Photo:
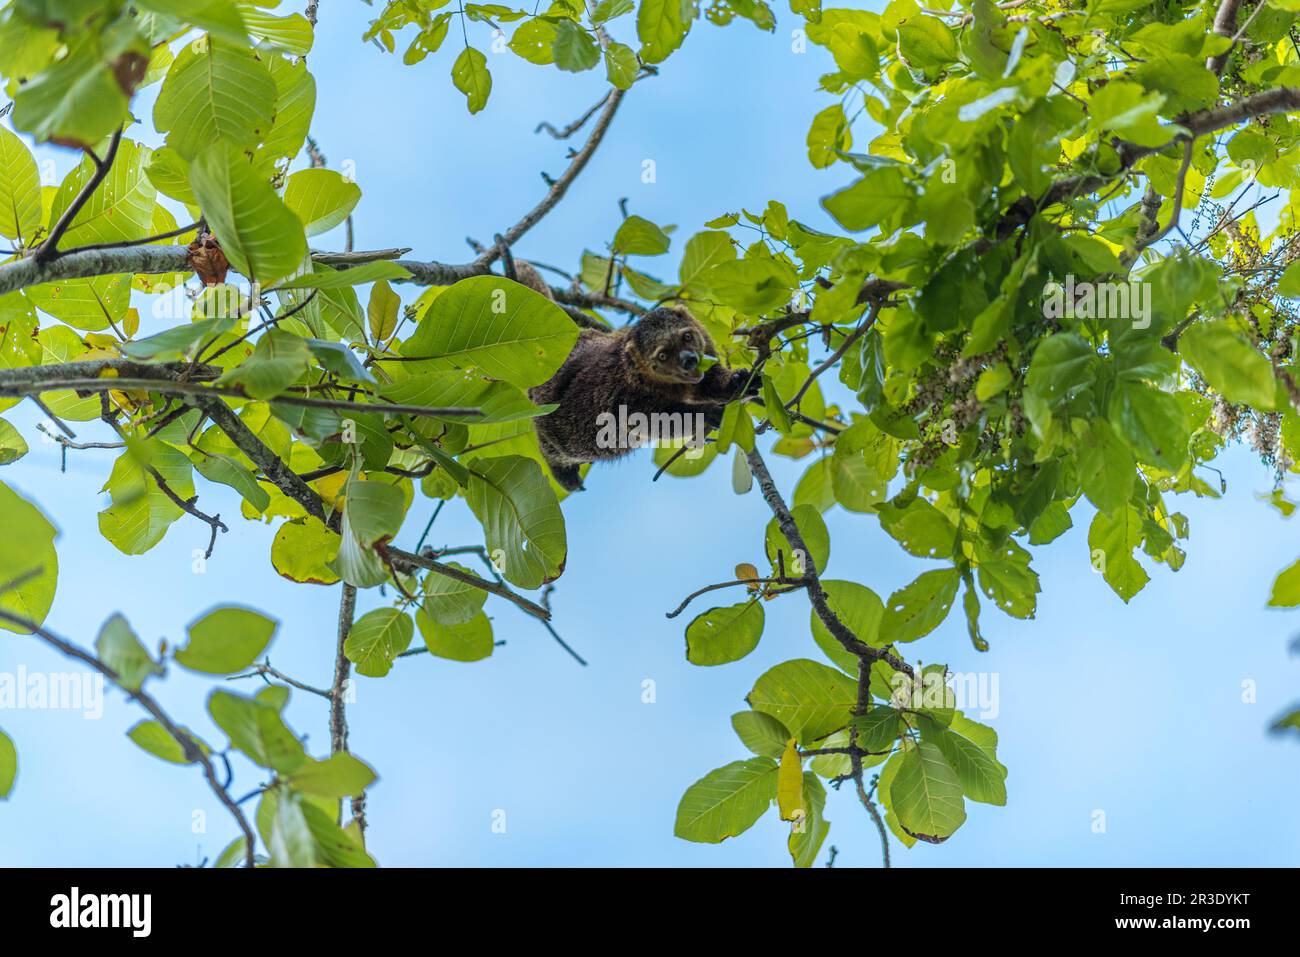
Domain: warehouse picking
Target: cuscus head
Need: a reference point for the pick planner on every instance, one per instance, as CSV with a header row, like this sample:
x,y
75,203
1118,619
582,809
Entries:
x,y
671,345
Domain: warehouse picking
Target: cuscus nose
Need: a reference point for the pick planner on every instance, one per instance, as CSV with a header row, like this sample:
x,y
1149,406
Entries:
x,y
690,360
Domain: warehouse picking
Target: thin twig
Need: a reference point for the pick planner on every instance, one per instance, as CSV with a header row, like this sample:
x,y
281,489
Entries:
x,y
49,249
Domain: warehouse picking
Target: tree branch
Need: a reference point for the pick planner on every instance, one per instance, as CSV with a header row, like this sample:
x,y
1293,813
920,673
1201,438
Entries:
x,y
816,594
405,561
561,185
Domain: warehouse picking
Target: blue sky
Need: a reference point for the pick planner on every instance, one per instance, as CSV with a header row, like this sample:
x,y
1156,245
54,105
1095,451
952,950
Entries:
x,y
1134,710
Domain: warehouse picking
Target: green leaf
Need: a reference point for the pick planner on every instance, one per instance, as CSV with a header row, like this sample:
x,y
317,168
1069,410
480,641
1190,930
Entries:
x,y
927,795
219,17
809,832
89,304
215,94
260,236
920,528
119,209
278,361
376,639
20,189
761,733
226,640
1153,423
381,311
861,611
878,729
75,102
752,285
521,518
1009,582
1063,365
226,470
1286,588
1106,467
295,91
704,251
291,843
12,445
470,75
727,801
574,48
535,41
498,401
372,512
640,237
1231,366
725,634
919,608
303,550
151,736
292,33
882,196
465,641
661,26
621,66
118,647
926,44
809,698
256,727
448,601
323,199
338,776
507,330
968,748
8,766
1112,538
829,136
26,554
812,528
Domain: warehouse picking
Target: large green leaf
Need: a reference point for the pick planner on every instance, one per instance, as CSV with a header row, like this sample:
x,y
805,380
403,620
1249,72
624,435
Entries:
x,y
322,198
917,609
1233,367
721,635
661,26
215,92
255,726
521,518
809,698
465,641
372,512
77,101
120,208
118,647
8,765
376,639
20,189
261,237
27,555
926,794
507,330
226,640
448,601
726,802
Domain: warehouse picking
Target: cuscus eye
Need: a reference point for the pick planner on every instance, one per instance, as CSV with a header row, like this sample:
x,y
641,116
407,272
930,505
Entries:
x,y
688,336
663,356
